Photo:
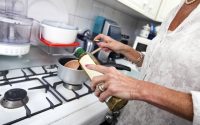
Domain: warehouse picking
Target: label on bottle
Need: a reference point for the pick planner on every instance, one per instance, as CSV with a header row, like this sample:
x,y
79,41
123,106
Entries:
x,y
86,59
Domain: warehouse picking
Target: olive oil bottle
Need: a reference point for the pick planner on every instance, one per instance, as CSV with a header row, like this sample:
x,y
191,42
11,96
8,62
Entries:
x,y
113,103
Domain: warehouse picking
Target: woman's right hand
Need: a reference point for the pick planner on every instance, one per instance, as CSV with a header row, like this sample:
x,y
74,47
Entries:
x,y
110,44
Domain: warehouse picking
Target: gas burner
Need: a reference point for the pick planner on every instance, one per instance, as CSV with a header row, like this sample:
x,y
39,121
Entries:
x,y
72,87
14,98
50,67
3,73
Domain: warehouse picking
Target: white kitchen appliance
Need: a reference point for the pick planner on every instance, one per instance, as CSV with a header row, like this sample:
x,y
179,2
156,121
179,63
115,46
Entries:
x,y
112,29
14,34
141,44
15,29
37,96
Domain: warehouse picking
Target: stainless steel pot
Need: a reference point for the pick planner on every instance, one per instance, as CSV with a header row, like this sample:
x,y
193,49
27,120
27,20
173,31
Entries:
x,y
85,40
71,76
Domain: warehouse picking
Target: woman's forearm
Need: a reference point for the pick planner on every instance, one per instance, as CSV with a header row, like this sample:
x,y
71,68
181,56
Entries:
x,y
178,103
132,55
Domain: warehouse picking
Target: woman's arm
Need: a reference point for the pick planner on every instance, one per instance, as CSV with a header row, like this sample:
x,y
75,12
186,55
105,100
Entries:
x,y
133,55
118,47
178,103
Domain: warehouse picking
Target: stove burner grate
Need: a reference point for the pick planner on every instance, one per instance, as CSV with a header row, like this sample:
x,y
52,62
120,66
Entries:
x,y
73,89
20,95
11,96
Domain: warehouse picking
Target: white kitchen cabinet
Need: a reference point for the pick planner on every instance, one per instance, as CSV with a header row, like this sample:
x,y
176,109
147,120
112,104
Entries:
x,y
135,4
148,8
153,8
165,8
156,10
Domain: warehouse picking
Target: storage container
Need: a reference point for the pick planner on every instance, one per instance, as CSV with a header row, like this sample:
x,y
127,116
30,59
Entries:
x,y
57,49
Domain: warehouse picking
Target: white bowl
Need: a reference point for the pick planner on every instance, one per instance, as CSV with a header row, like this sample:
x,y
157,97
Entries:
x,y
58,32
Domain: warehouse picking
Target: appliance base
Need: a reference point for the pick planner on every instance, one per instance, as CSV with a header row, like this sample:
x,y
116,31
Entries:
x,y
14,49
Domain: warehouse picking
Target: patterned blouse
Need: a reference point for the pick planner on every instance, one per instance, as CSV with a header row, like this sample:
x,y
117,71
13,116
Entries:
x,y
172,60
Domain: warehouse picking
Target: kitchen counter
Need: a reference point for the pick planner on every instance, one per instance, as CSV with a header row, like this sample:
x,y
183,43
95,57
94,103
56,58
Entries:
x,y
73,112
36,57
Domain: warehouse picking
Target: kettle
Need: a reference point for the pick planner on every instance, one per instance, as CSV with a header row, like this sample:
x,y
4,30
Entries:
x,y
85,41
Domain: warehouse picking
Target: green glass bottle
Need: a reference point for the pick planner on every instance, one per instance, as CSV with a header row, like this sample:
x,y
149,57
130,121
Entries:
x,y
113,103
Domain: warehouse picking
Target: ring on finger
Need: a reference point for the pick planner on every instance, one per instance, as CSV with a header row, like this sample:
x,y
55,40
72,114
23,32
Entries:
x,y
101,87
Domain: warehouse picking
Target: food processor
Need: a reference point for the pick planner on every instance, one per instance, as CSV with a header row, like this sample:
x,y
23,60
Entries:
x,y
15,28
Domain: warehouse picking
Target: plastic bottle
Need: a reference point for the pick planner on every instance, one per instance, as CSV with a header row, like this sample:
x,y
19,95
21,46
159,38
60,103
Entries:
x,y
113,103
145,31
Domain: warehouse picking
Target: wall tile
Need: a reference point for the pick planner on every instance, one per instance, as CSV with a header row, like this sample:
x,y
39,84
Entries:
x,y
71,19
54,10
108,11
71,5
84,8
83,23
97,10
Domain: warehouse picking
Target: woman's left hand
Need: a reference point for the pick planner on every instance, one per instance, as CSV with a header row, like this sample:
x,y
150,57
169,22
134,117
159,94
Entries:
x,y
118,85
114,83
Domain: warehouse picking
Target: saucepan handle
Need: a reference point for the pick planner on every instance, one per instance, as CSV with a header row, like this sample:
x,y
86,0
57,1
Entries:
x,y
118,66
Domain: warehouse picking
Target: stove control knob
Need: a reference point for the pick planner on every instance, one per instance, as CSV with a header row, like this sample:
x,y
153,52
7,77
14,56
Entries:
x,y
109,118
116,114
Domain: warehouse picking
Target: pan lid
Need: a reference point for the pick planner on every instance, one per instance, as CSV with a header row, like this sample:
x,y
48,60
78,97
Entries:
x,y
59,24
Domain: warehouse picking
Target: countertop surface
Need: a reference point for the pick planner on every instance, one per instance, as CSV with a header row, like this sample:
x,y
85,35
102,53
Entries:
x,y
36,57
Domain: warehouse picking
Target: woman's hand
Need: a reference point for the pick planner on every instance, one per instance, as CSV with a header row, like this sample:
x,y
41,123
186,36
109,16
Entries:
x,y
115,84
110,44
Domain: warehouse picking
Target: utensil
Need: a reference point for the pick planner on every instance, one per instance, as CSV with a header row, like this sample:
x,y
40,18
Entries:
x,y
95,51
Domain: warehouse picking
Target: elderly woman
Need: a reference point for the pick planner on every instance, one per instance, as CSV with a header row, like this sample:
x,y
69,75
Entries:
x,y
168,91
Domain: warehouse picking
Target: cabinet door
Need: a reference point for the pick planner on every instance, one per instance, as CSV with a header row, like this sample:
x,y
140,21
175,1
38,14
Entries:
x,y
137,5
165,8
148,8
152,8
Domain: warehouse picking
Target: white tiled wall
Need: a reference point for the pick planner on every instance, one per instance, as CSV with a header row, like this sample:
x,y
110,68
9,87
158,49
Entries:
x,y
80,13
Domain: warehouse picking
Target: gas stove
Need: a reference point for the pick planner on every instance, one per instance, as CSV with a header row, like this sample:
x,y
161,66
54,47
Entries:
x,y
36,95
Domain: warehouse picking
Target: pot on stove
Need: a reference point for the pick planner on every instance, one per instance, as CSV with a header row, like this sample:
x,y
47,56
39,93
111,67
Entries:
x,y
71,76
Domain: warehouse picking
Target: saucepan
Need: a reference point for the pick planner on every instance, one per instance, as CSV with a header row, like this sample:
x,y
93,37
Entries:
x,y
76,76
69,75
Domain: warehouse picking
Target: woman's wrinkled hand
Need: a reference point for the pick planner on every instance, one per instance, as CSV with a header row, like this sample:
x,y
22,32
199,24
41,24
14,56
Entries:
x,y
109,44
115,84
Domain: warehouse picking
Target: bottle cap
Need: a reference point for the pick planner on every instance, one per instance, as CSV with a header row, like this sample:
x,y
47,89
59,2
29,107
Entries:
x,y
78,52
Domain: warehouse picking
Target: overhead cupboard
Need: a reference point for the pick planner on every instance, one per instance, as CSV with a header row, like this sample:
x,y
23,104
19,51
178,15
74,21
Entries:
x,y
156,10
